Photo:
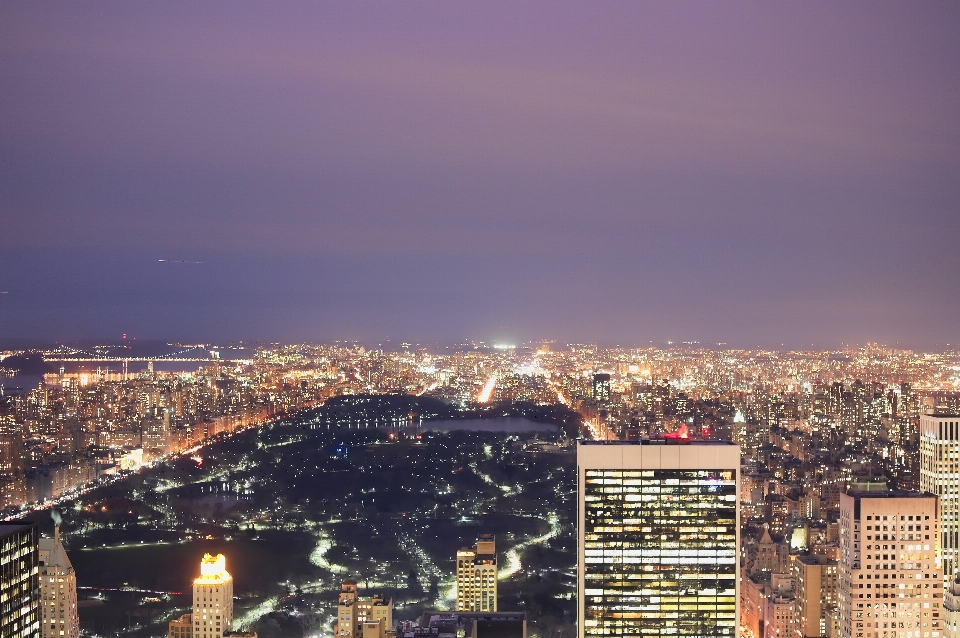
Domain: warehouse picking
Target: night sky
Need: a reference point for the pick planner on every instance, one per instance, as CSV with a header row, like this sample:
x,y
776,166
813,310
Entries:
x,y
753,174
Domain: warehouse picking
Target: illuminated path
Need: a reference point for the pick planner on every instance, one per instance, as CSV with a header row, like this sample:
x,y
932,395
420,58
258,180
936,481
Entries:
x,y
601,431
487,391
254,614
560,396
513,555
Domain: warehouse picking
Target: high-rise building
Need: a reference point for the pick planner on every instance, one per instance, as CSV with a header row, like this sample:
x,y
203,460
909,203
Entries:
x,y
58,590
815,592
940,475
601,387
19,580
477,576
212,598
890,579
362,617
156,433
657,538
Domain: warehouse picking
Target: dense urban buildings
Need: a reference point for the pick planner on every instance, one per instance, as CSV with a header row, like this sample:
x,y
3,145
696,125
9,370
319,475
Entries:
x,y
811,427
658,531
91,418
477,576
19,580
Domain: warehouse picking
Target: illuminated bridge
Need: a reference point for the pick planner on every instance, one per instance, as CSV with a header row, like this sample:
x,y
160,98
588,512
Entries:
x,y
72,355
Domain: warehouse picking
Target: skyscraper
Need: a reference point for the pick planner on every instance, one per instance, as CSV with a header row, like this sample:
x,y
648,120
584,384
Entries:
x,y
58,590
657,538
19,580
815,593
890,578
940,475
601,387
477,576
212,598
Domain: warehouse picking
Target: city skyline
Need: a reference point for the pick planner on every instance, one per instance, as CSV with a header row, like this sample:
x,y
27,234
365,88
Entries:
x,y
416,483
751,175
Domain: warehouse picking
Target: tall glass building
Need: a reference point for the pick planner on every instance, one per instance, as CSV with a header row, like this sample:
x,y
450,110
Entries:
x,y
658,535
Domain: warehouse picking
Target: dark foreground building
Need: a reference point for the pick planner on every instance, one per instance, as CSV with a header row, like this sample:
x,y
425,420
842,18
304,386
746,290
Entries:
x,y
467,624
19,580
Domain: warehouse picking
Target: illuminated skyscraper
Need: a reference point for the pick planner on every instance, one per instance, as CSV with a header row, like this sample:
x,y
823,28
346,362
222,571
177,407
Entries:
x,y
890,581
940,475
477,576
601,387
58,590
212,598
657,538
19,581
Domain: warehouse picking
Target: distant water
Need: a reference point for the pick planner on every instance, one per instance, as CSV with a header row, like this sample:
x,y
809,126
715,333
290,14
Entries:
x,y
510,425
20,383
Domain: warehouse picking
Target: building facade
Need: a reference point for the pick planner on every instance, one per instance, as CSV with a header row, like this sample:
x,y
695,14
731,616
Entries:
x,y
940,475
951,610
362,617
181,627
19,580
477,576
891,581
657,538
815,587
58,590
212,598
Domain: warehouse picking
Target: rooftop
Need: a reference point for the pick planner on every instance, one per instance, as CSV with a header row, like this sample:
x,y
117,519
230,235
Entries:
x,y
890,494
659,441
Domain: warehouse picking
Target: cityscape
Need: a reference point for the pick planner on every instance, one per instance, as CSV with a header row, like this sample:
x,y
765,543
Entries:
x,y
549,319
430,478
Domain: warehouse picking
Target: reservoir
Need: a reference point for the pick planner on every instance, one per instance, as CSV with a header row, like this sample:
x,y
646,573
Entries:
x,y
510,425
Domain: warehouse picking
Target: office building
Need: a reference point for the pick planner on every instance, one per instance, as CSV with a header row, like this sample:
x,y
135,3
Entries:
x,y
212,598
58,590
815,594
891,582
362,617
657,538
601,387
940,475
477,576
181,627
19,580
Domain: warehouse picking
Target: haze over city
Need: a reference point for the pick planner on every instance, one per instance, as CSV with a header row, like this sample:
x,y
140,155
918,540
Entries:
x,y
479,320
753,175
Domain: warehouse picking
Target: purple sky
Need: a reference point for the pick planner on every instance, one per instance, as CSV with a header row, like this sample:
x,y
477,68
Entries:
x,y
753,174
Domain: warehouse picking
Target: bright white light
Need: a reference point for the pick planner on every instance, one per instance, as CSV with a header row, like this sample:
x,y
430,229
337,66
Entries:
x,y
487,391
